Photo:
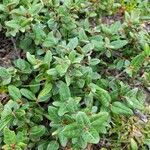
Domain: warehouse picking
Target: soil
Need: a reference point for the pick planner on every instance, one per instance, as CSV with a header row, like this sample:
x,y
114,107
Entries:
x,y
7,51
111,19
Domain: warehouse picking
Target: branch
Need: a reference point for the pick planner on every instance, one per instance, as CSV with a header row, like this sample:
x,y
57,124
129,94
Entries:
x,y
15,47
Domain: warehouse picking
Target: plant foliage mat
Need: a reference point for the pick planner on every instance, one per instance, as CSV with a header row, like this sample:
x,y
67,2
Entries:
x,y
74,75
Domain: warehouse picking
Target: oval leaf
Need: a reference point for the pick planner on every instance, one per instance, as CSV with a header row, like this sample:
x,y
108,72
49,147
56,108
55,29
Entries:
x,y
28,94
14,92
121,109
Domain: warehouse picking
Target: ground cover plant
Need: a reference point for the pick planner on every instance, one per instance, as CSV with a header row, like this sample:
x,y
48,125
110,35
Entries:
x,y
74,74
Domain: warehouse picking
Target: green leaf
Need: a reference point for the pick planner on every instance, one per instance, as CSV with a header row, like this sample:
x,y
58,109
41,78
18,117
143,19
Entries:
x,y
137,61
63,109
5,76
118,44
101,94
120,64
52,72
2,7
4,73
134,103
98,45
77,73
91,136
62,69
94,62
34,10
9,107
31,58
87,48
43,145
34,86
106,29
63,65
73,43
48,58
81,83
53,145
63,140
68,79
72,55
37,131
53,114
23,65
26,44
64,91
50,40
99,119
45,93
133,144
68,3
72,104
72,131
82,35
83,120
147,50
38,30
115,27
135,64
14,26
5,121
121,109
14,92
20,137
28,94
9,136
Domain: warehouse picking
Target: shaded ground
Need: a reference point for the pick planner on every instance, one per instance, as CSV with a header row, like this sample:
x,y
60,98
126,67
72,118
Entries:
x,y
111,19
7,51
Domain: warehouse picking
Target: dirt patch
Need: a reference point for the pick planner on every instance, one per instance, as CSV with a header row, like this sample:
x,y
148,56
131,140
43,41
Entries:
x,y
8,52
111,19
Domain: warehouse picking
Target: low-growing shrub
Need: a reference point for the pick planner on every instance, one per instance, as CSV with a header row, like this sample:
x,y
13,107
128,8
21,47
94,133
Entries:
x,y
84,78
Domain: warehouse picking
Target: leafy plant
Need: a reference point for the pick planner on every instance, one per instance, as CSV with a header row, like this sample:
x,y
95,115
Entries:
x,y
82,79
